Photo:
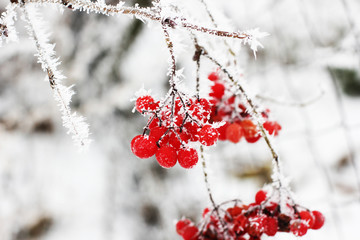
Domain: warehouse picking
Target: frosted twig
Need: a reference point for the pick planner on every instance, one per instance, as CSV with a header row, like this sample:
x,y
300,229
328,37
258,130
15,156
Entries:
x,y
278,177
7,20
46,57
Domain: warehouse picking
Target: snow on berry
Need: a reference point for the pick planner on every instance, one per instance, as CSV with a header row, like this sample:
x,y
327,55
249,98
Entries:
x,y
298,228
241,221
260,196
146,103
166,156
208,135
187,157
175,124
143,146
319,220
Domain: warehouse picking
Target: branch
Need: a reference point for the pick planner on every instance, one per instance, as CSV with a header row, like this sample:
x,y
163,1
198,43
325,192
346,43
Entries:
x,y
46,57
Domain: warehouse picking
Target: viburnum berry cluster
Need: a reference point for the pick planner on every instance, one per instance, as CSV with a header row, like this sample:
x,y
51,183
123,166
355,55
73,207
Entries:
x,y
228,107
173,129
266,215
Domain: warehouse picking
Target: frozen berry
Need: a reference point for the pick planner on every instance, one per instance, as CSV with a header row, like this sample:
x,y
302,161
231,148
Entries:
x,y
251,133
187,157
143,146
256,226
307,217
272,127
213,76
299,228
166,156
319,219
181,225
146,103
260,196
208,135
190,233
217,90
192,129
270,226
222,131
158,132
234,133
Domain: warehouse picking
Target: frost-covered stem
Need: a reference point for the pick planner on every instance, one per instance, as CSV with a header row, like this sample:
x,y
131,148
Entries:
x,y
219,33
46,57
105,9
203,164
255,114
204,169
215,25
170,46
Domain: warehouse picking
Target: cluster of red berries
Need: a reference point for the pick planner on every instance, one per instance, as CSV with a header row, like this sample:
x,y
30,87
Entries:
x,y
242,222
226,107
171,127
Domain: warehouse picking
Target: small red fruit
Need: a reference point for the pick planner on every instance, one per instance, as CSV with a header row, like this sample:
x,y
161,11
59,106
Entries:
x,y
271,226
143,146
299,228
208,135
166,156
213,76
146,103
260,196
187,157
222,131
234,133
319,219
272,127
217,90
307,217
250,131
181,225
190,233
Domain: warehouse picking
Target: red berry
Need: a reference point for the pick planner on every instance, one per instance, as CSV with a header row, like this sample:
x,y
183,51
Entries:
x,y
157,133
181,225
271,226
205,212
308,218
213,76
217,90
319,219
272,127
187,157
192,129
251,133
241,223
234,133
260,196
222,131
190,233
143,146
154,123
298,228
208,135
256,226
146,103
166,156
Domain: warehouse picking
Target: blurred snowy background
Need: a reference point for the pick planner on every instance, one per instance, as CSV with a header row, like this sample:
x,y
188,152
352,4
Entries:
x,y
50,191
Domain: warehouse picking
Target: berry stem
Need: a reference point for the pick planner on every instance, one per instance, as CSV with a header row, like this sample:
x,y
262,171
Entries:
x,y
208,188
255,114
